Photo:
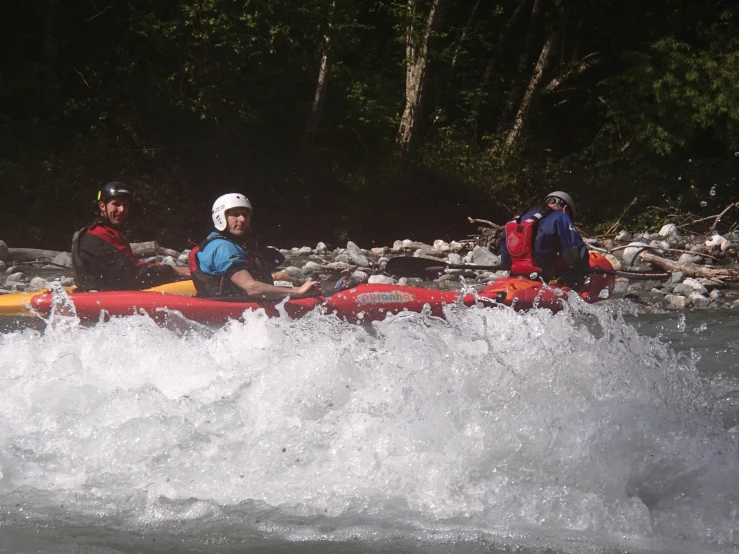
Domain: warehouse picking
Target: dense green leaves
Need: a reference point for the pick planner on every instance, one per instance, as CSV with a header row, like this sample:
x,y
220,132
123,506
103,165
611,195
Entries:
x,y
190,98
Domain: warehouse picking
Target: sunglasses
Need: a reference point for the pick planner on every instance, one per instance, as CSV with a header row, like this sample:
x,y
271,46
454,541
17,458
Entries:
x,y
554,200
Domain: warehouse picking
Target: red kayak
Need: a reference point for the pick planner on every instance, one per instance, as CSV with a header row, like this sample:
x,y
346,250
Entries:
x,y
364,302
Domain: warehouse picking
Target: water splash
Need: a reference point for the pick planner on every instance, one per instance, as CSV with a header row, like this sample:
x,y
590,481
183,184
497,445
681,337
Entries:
x,y
491,421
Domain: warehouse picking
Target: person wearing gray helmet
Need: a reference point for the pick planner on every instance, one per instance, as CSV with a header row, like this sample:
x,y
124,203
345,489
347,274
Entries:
x,y
544,241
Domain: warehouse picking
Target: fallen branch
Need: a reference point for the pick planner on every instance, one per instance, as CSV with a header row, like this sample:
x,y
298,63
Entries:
x,y
485,222
613,227
692,270
664,250
716,218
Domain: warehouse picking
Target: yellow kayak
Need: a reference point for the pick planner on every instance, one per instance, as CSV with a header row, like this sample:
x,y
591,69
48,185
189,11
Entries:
x,y
19,303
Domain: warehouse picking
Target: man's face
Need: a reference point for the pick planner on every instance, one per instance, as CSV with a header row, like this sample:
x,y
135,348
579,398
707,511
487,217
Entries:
x,y
116,209
238,220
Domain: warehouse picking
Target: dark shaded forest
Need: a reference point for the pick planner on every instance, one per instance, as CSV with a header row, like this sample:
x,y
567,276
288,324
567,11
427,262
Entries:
x,y
365,120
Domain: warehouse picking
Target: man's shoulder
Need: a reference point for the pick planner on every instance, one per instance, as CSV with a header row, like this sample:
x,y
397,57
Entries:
x,y
215,242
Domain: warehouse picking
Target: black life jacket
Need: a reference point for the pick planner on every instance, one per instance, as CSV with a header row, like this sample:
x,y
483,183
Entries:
x,y
520,239
210,286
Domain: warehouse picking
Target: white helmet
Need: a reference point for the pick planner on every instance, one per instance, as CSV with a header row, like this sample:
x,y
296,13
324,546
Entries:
x,y
226,202
566,198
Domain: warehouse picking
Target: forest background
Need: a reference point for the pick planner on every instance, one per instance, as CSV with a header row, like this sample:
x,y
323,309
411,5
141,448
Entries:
x,y
361,119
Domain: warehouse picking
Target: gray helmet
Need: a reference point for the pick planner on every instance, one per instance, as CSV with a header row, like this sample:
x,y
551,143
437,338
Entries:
x,y
566,198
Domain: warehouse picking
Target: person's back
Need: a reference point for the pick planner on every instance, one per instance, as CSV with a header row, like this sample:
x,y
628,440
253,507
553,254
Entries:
x,y
102,258
554,247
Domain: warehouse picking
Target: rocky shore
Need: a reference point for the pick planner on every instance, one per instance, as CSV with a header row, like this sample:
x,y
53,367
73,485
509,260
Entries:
x,y
703,269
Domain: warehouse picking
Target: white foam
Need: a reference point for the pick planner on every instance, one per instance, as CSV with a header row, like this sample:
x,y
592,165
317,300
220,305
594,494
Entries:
x,y
491,421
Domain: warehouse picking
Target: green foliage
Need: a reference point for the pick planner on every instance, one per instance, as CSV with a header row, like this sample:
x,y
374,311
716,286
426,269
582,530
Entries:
x,y
190,98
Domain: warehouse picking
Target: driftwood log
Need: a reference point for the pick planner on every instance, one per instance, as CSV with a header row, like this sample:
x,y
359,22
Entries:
x,y
31,255
691,269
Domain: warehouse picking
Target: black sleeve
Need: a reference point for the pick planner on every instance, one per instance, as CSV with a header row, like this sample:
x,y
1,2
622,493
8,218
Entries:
x,y
101,267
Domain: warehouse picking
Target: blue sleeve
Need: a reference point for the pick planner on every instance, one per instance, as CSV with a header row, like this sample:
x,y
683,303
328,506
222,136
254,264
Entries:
x,y
221,256
573,249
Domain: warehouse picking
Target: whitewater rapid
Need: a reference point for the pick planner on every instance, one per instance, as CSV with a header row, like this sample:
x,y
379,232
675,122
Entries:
x,y
518,429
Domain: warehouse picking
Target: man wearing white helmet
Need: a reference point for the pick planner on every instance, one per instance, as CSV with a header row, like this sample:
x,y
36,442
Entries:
x,y
544,241
231,264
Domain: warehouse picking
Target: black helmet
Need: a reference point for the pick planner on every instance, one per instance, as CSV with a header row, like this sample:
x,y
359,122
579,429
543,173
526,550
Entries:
x,y
111,190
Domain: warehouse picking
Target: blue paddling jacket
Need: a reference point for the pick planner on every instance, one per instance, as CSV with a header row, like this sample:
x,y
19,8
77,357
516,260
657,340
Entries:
x,y
556,243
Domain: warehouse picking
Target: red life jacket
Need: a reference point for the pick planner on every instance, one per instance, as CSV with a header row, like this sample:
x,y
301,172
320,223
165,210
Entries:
x,y
520,238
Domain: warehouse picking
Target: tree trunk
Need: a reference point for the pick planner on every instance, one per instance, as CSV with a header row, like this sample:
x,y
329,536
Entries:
x,y
545,58
692,270
523,66
458,45
504,35
319,98
417,53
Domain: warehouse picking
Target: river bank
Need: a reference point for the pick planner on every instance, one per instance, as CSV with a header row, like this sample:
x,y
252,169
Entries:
x,y
702,270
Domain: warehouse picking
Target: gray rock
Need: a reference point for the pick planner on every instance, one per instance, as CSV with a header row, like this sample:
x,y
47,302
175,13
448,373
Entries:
x,y
310,267
454,258
711,284
168,252
677,277
355,253
344,258
716,294
420,253
629,255
442,245
456,246
620,286
623,236
699,301
17,277
183,259
169,260
360,276
671,233
735,305
483,256
698,287
304,250
37,283
67,281
397,245
381,280
679,302
467,258
689,258
3,251
12,269
447,277
635,288
3,266
294,272
321,247
144,249
682,288
701,249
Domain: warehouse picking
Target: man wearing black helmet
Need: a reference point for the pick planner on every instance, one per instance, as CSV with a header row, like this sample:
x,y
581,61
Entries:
x,y
544,241
101,255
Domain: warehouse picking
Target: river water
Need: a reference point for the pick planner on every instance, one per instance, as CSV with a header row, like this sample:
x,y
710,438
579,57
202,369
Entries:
x,y
593,430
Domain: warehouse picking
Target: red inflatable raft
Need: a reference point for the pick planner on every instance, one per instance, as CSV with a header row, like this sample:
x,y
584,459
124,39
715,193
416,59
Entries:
x,y
364,302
